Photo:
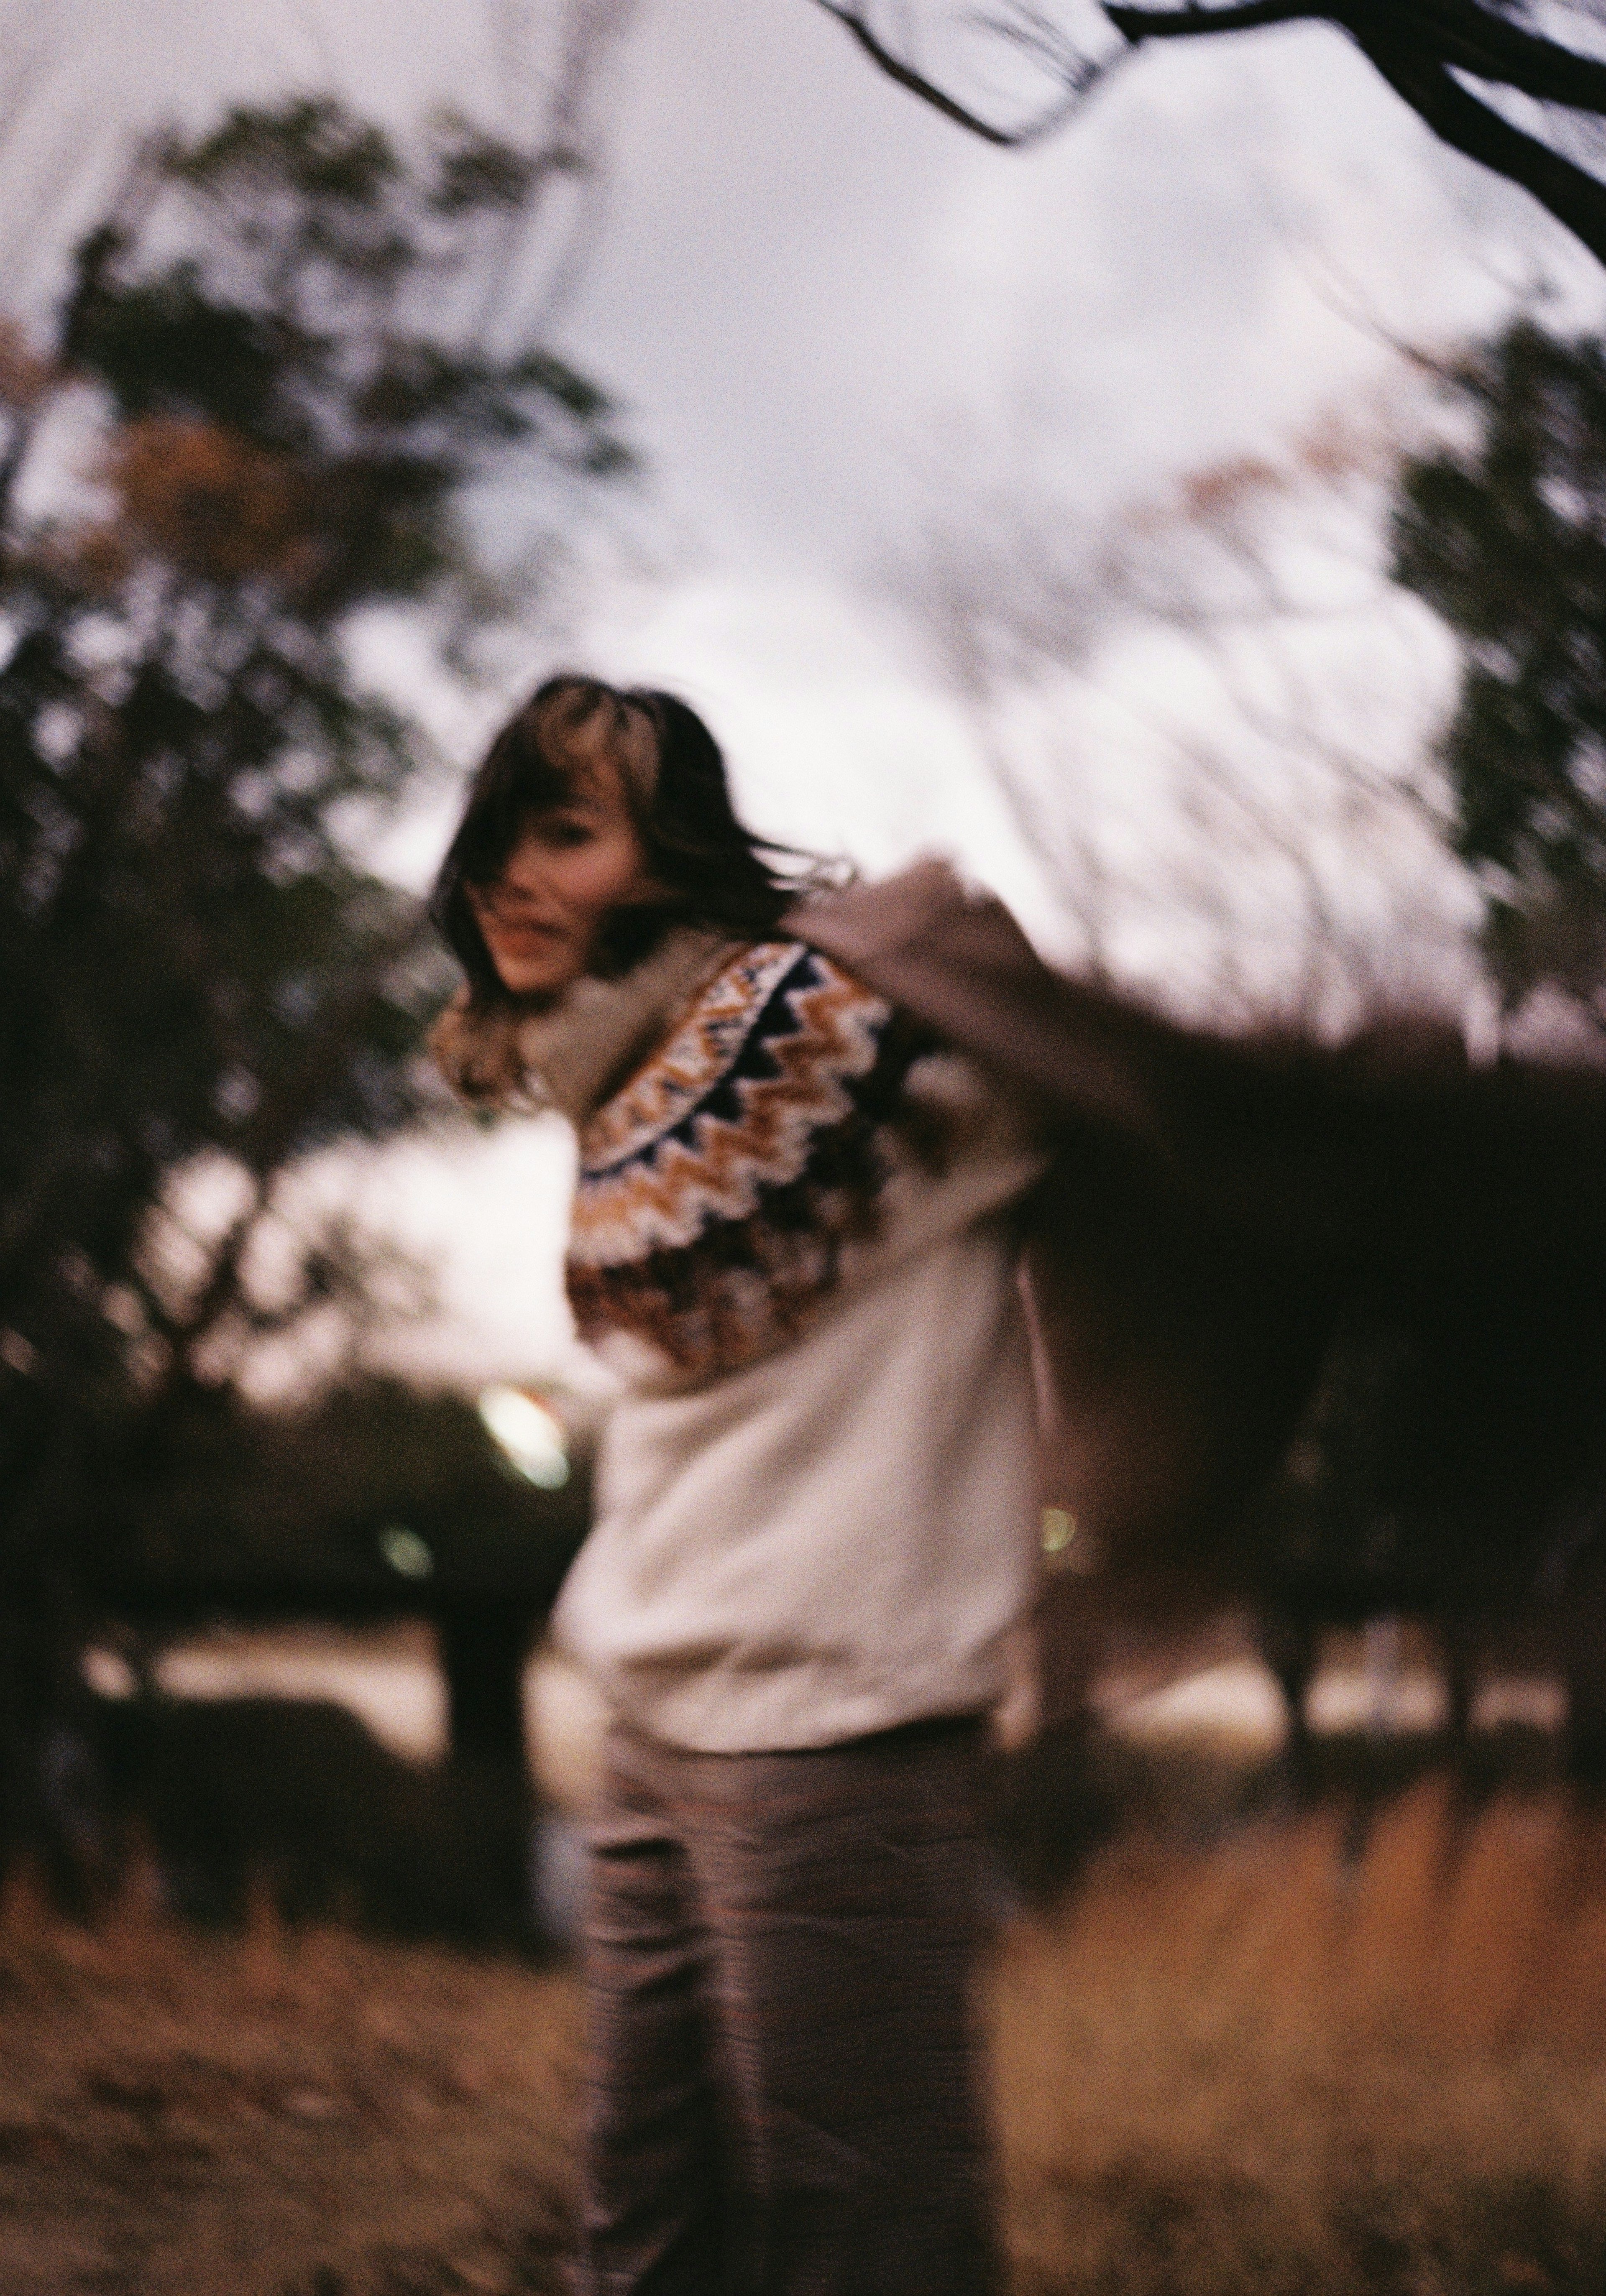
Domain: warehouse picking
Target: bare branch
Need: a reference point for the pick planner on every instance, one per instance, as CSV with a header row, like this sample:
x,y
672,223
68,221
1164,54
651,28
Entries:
x,y
1446,58
1269,833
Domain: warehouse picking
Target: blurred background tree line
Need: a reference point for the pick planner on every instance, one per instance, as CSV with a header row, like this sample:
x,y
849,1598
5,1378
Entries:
x,y
1289,585
274,398
277,396
1505,538
1387,805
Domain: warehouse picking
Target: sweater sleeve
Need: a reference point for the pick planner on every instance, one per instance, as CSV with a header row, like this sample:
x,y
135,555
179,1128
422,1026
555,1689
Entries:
x,y
964,1150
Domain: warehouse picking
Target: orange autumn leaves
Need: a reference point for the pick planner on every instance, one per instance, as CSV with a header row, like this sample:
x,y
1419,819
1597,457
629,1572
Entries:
x,y
185,489
26,379
211,502
199,496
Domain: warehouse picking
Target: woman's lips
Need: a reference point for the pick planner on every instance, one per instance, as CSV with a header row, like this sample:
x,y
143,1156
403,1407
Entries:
x,y
522,936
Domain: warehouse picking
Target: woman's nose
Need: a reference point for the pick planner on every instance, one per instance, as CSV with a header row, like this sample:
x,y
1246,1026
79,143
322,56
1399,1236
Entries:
x,y
527,898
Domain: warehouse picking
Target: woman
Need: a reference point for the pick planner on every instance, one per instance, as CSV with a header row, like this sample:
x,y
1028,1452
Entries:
x,y
797,1226
794,1237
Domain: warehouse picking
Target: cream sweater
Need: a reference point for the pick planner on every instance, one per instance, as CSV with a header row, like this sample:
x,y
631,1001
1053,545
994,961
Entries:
x,y
830,1530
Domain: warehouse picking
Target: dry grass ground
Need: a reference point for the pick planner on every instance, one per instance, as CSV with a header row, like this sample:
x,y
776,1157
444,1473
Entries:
x,y
276,2114
1295,2053
1296,2062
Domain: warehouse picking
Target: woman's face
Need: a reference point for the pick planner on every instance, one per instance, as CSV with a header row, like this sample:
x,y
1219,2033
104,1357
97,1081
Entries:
x,y
574,862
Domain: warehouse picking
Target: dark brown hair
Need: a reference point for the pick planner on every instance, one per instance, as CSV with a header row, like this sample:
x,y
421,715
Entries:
x,y
713,871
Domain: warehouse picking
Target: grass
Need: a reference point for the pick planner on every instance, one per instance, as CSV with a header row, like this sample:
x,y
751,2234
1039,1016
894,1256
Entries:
x,y
1305,2060
1358,2049
277,2113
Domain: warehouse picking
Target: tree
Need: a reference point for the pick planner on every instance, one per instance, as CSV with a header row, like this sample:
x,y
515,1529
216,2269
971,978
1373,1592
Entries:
x,y
1206,708
1535,108
271,402
1449,1460
1502,529
1288,805
366,1501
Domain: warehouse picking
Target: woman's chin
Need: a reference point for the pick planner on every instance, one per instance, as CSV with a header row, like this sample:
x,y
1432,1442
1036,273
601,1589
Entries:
x,y
542,976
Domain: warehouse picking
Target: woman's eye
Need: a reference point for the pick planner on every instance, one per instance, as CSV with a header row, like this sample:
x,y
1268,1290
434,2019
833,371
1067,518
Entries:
x,y
566,833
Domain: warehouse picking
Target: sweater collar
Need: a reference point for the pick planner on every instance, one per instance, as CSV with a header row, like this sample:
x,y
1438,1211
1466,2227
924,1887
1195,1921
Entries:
x,y
572,1053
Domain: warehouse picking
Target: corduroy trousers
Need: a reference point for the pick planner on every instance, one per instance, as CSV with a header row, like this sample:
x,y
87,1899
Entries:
x,y
782,2089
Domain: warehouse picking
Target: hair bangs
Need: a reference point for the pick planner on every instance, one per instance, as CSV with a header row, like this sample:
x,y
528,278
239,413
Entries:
x,y
573,734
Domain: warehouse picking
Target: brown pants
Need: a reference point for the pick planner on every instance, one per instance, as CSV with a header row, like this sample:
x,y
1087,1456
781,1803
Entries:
x,y
782,2094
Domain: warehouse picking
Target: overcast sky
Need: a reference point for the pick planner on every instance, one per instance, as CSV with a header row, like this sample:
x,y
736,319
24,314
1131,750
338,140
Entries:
x,y
832,317
825,308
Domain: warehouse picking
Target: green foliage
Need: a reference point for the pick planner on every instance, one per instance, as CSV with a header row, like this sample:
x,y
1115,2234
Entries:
x,y
280,337
1504,534
317,293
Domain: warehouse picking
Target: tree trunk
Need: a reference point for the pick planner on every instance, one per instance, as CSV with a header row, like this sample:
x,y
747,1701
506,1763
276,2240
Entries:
x,y
483,1646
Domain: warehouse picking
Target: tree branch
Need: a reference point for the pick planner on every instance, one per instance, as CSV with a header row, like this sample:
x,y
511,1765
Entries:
x,y
1571,195
906,76
1461,33
1417,45
1138,24
1471,37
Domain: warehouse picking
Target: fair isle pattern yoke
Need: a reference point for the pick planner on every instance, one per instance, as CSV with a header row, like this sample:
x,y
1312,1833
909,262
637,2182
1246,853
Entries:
x,y
717,1189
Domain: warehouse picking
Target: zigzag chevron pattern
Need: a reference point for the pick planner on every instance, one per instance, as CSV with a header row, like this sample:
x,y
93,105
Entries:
x,y
716,1189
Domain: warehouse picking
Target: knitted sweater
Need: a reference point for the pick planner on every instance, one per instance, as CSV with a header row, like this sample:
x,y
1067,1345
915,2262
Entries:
x,y
794,1239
